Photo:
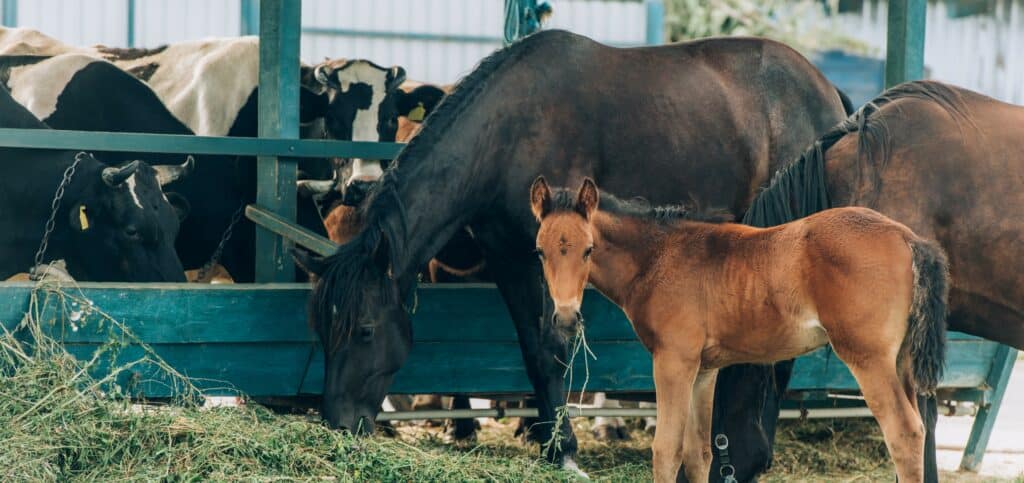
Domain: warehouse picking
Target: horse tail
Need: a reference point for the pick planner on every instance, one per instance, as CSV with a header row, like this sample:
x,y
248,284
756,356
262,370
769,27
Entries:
x,y
847,103
926,330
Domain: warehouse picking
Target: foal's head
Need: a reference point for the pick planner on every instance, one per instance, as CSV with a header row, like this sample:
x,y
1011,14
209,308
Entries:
x,y
564,244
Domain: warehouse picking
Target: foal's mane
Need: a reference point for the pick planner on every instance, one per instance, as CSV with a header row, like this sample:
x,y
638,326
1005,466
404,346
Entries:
x,y
800,189
563,199
384,236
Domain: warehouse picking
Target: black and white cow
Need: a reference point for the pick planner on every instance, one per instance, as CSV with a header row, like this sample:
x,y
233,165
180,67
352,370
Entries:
x,y
113,223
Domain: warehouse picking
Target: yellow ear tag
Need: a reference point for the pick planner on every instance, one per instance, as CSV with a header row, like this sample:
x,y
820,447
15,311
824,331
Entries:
x,y
82,219
418,113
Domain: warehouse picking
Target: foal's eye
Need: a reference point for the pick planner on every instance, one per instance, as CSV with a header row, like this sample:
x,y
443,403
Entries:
x,y
587,252
540,254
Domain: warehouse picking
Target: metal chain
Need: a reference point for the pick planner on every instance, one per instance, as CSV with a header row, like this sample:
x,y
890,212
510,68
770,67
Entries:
x,y
219,251
725,468
52,221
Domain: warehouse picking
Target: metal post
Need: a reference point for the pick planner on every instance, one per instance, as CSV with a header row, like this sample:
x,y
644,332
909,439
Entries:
x,y
249,19
130,40
10,13
655,21
904,58
280,27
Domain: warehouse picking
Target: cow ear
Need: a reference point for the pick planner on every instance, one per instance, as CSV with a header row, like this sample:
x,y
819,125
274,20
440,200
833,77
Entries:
x,y
419,102
79,217
308,262
540,198
586,199
181,205
396,76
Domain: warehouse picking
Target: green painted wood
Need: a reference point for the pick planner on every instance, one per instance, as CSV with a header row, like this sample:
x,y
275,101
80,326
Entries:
x,y
904,60
255,338
295,233
998,378
177,143
249,17
280,28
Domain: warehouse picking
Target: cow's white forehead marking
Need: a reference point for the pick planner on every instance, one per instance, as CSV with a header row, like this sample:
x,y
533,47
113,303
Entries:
x,y
131,189
364,126
365,170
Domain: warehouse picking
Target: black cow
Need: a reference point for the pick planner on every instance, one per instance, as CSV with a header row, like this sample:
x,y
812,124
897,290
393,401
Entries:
x,y
112,224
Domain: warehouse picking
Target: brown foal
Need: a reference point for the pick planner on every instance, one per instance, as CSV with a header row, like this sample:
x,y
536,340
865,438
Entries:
x,y
703,294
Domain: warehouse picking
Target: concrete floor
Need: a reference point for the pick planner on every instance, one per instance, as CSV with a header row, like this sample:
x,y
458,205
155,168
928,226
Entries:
x,y
1005,455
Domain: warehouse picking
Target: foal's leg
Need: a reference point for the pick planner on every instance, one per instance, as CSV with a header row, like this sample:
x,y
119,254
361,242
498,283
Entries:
x,y
697,440
673,383
886,395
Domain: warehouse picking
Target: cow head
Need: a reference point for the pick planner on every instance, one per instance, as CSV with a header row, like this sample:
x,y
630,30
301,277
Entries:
x,y
361,106
352,178
121,226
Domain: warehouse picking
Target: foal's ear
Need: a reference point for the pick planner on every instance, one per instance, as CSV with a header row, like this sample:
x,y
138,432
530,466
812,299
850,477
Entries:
x,y
540,198
586,199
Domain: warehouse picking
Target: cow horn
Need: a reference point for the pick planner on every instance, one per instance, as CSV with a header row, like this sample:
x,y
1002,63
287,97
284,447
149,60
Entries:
x,y
315,187
169,173
321,76
115,176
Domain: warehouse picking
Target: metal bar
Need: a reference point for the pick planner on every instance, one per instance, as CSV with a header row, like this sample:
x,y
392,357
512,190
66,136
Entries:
x,y
280,28
185,144
289,230
575,412
130,40
998,378
388,34
249,17
655,22
10,13
904,59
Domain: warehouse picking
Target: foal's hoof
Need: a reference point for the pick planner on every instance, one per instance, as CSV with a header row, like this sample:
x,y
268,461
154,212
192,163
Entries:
x,y
608,432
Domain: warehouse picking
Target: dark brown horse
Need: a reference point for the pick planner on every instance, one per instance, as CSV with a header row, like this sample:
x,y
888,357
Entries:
x,y
945,161
707,120
702,295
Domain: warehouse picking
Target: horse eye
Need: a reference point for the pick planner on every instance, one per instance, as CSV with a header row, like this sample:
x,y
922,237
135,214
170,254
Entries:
x,y
587,252
366,333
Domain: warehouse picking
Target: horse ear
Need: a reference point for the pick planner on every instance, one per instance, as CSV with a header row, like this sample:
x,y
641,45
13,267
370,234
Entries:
x,y
586,199
540,198
309,263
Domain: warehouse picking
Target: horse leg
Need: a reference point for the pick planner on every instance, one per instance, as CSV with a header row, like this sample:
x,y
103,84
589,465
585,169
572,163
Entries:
x,y
674,378
608,428
697,442
650,422
885,392
520,282
461,429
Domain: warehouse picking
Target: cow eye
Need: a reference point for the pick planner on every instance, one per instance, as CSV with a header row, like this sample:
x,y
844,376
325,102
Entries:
x,y
587,252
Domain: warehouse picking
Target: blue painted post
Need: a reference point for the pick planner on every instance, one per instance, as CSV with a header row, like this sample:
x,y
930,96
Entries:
x,y
130,40
904,58
249,20
10,13
280,27
997,380
655,21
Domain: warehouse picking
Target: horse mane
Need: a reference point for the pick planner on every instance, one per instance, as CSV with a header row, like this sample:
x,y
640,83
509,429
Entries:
x,y
339,286
563,199
800,188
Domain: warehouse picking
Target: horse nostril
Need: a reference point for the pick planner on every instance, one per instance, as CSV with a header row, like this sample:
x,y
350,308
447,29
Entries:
x,y
554,318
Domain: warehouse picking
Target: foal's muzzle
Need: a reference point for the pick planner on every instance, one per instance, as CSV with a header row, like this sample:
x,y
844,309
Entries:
x,y
566,319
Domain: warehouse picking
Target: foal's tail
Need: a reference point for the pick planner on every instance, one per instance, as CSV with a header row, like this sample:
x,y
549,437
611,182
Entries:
x,y
926,331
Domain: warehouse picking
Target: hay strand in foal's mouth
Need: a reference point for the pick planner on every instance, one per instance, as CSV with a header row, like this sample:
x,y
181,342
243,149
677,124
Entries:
x,y
562,412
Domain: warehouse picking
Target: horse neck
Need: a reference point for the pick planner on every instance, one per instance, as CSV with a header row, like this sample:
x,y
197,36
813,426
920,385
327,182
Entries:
x,y
623,249
441,192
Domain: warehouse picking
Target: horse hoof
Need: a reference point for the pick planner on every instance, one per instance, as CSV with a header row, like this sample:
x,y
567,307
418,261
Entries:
x,y
461,433
569,464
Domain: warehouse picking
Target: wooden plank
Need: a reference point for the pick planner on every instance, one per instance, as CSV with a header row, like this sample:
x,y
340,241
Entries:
x,y
280,27
985,421
256,338
291,231
904,59
185,144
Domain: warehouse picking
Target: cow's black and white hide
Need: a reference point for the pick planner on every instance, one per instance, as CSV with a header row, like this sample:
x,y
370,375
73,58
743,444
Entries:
x,y
77,91
112,224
